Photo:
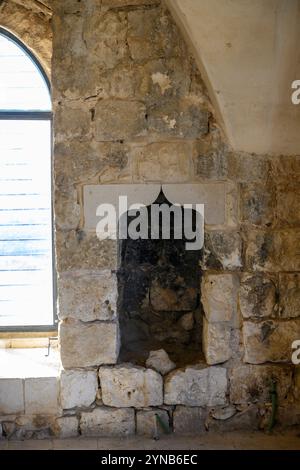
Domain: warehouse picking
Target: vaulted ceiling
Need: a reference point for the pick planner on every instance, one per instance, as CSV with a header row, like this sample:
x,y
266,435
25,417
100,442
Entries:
x,y
249,54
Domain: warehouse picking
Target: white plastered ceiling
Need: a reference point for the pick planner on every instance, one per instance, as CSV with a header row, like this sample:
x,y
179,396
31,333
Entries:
x,y
249,54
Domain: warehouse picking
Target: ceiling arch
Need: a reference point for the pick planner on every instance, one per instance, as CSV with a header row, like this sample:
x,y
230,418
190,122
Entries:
x,y
248,53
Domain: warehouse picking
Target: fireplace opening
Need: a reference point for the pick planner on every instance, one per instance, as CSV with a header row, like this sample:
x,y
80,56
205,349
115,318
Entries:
x,y
159,293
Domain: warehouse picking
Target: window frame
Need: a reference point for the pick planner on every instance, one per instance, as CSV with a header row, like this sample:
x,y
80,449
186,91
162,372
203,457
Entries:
x,y
31,116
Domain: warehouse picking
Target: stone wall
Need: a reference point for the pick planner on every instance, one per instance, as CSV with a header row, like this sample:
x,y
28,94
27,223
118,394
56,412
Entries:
x,y
131,107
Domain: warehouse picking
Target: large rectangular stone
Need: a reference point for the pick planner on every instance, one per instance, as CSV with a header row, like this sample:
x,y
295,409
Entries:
x,y
88,296
246,167
163,161
126,385
253,383
41,395
272,250
78,388
119,120
11,396
108,422
84,345
189,420
270,340
222,250
212,196
95,195
77,250
148,422
257,203
183,118
258,295
196,386
289,292
219,297
216,342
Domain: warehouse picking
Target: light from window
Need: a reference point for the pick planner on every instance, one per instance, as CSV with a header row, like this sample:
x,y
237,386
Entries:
x,y
26,262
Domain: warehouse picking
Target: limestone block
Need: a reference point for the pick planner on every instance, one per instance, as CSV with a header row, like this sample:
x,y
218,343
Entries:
x,y
166,162
67,209
222,250
88,296
152,33
270,341
11,396
246,167
104,35
41,395
77,250
219,297
253,383
147,423
106,422
196,386
289,289
160,361
216,342
67,426
272,251
126,385
257,295
257,203
182,119
212,195
287,167
288,203
76,162
119,120
189,420
78,388
71,122
210,160
84,345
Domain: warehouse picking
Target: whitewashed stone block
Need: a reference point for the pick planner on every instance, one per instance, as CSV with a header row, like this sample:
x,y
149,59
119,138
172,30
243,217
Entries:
x,y
219,297
216,342
196,386
107,422
78,388
11,396
88,297
126,385
84,345
41,395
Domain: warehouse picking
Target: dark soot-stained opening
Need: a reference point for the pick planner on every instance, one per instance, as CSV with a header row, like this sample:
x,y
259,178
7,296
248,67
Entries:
x,y
159,296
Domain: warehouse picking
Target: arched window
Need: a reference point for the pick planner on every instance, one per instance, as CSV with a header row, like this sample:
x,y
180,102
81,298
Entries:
x,y
26,248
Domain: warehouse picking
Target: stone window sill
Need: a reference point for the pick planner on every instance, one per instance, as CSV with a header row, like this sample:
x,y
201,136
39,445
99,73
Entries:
x,y
29,362
29,382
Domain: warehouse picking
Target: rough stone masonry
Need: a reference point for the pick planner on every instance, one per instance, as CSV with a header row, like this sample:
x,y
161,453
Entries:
x,y
131,107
